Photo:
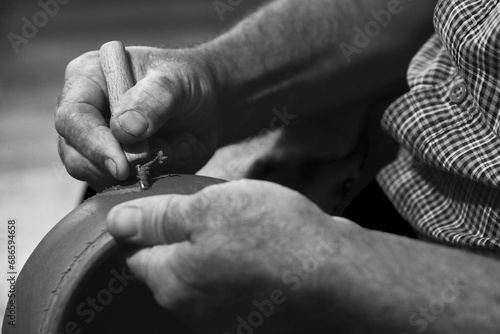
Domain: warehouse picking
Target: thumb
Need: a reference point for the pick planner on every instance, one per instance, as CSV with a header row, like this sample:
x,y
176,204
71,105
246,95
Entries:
x,y
145,108
151,220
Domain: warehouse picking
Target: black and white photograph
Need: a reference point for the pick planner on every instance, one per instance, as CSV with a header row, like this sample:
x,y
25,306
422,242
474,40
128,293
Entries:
x,y
250,166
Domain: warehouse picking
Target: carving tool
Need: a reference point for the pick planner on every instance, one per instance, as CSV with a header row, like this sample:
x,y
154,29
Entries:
x,y
119,79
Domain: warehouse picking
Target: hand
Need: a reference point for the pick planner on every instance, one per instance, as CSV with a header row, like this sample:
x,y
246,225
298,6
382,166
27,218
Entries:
x,y
212,257
173,105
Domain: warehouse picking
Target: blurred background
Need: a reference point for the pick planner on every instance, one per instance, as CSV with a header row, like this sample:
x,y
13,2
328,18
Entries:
x,y
36,190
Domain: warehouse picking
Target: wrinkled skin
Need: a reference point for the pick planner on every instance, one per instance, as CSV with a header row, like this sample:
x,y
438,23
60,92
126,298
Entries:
x,y
173,104
210,255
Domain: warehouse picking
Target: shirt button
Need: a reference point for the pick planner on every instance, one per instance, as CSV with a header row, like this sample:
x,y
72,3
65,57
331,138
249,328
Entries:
x,y
458,92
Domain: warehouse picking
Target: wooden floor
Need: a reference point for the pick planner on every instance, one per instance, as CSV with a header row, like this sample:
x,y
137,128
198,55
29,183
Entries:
x,y
36,190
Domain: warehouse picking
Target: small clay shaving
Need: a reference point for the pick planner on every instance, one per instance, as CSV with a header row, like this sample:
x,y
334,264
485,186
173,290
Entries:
x,y
142,175
143,171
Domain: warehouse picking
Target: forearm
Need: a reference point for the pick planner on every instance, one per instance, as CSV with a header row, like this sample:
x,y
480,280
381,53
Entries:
x,y
300,54
384,283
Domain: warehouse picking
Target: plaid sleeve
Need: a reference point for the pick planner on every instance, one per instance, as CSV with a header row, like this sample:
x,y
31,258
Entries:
x,y
446,180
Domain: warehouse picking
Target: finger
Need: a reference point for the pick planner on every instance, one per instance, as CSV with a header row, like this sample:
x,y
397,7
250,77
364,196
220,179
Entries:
x,y
145,108
152,220
155,266
79,121
82,169
91,137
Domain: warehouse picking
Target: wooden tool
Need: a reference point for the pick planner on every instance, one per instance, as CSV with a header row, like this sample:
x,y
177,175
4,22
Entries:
x,y
119,79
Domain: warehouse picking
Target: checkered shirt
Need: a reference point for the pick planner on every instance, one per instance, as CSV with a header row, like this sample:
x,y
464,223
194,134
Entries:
x,y
446,179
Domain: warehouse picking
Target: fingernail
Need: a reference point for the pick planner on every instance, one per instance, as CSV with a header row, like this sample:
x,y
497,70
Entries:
x,y
183,151
133,123
111,166
127,220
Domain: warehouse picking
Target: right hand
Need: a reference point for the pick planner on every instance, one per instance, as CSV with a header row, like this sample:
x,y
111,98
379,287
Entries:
x,y
173,105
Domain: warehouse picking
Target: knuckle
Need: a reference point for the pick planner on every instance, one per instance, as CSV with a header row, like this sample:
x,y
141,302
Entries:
x,y
72,67
61,150
150,103
158,215
196,209
77,64
201,200
71,161
154,60
61,118
166,83
170,85
170,76
65,123
166,219
222,206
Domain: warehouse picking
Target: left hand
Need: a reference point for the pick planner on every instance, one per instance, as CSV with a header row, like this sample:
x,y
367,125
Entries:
x,y
231,253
